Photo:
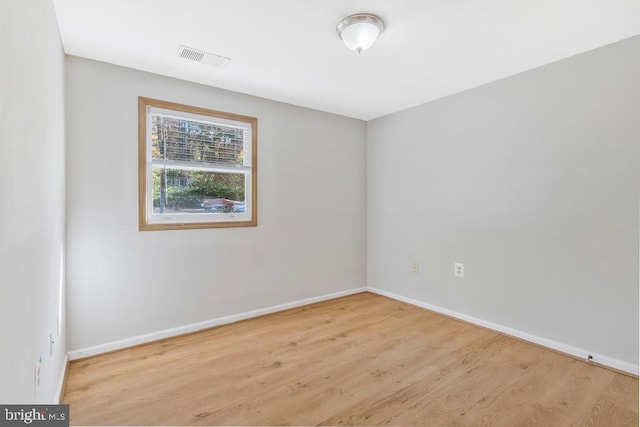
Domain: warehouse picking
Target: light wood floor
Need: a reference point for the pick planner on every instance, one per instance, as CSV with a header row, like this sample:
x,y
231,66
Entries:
x,y
358,360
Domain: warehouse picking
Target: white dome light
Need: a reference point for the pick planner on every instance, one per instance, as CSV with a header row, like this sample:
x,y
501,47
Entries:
x,y
360,31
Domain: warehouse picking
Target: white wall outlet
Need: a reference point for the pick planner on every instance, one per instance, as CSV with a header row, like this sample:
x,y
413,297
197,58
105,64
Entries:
x,y
458,269
415,267
37,375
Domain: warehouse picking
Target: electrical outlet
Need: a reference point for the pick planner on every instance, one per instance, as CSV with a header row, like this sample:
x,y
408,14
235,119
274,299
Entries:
x,y
458,269
415,267
37,375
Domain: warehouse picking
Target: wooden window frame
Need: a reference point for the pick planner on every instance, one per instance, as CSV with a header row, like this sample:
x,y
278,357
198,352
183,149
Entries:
x,y
143,164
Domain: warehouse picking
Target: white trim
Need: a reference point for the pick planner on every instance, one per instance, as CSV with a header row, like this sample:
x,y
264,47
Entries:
x,y
554,345
59,391
193,327
199,166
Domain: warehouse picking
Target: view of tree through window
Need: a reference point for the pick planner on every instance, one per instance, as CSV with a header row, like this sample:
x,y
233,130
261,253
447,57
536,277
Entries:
x,y
175,141
198,167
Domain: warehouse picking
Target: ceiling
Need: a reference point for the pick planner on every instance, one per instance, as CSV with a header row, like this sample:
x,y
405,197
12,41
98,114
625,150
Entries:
x,y
288,50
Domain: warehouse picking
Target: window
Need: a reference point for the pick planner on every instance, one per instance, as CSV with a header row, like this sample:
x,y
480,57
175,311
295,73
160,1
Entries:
x,y
197,167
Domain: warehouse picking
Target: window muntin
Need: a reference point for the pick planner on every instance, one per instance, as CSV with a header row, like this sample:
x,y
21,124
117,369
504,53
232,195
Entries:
x,y
197,167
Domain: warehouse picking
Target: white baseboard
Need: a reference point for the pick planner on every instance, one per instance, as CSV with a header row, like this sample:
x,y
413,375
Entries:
x,y
193,327
554,345
61,378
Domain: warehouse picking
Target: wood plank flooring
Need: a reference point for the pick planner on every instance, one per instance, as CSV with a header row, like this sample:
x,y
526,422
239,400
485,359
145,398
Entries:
x,y
358,360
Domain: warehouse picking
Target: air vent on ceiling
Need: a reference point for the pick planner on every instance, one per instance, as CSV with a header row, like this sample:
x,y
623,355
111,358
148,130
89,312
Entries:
x,y
198,55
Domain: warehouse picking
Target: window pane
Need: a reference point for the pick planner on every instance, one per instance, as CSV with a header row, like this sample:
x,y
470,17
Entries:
x,y
178,191
194,141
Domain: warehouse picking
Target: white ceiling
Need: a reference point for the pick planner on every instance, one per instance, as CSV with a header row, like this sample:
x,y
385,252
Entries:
x,y
288,50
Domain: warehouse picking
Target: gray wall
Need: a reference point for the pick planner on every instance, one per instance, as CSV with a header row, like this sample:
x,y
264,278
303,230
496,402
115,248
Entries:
x,y
310,239
31,200
532,182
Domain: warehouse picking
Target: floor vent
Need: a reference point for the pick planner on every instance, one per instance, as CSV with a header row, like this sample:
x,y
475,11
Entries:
x,y
198,55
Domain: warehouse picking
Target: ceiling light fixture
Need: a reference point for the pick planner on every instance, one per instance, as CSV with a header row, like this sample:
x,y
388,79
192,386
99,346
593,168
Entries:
x,y
360,31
